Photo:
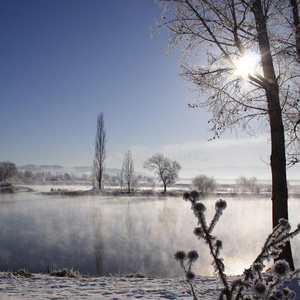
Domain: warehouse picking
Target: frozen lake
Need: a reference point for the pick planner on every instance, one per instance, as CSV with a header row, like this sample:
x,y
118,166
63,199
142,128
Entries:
x,y
106,235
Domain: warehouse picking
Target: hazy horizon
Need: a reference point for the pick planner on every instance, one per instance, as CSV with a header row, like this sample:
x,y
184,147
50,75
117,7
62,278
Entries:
x,y
221,174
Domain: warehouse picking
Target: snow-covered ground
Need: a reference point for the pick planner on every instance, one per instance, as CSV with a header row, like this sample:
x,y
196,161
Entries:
x,y
43,286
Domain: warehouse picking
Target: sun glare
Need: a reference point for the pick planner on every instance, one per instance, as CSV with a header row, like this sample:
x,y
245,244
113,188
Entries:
x,y
246,65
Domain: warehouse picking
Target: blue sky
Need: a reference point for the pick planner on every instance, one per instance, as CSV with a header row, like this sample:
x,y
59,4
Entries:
x,y
64,61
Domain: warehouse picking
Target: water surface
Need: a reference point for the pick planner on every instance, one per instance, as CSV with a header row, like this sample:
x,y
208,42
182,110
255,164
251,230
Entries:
x,y
105,235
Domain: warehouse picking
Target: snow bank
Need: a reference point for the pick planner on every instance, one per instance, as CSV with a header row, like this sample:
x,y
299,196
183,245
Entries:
x,y
43,286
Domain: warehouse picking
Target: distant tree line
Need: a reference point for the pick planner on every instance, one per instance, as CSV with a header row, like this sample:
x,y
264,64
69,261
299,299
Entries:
x,y
165,169
33,177
205,184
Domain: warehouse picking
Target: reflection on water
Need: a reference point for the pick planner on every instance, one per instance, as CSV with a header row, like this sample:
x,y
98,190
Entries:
x,y
99,238
103,236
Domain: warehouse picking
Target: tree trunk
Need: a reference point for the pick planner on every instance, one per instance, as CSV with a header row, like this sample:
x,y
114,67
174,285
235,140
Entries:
x,y
278,158
100,177
296,26
279,181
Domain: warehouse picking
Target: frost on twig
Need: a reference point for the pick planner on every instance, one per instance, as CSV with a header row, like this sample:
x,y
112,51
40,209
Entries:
x,y
255,284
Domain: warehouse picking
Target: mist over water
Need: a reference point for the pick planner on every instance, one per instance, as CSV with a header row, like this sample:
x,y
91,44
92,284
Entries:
x,y
102,236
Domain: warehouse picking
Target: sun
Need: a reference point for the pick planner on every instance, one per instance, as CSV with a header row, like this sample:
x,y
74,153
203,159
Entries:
x,y
246,65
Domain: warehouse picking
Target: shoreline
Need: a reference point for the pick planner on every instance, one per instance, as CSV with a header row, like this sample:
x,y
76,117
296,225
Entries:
x,y
62,189
113,192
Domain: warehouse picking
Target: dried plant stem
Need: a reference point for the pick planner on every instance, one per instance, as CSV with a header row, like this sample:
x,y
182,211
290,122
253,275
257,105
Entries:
x,y
190,283
217,261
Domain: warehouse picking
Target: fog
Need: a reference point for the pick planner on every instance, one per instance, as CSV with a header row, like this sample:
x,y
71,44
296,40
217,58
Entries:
x,y
102,236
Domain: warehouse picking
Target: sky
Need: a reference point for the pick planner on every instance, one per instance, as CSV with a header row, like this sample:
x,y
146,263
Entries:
x,y
62,62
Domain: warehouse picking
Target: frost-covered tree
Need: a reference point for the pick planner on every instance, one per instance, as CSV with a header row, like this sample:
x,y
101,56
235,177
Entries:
x,y
243,58
128,170
204,184
7,171
166,170
100,151
120,178
247,184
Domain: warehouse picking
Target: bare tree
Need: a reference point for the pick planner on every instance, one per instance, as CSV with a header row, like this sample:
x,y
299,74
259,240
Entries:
x,y
7,171
224,33
248,184
128,170
166,169
121,179
204,184
100,151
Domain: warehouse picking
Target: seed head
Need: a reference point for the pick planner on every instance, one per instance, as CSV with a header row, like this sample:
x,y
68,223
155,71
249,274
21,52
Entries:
x,y
180,255
193,255
198,232
258,267
219,244
259,289
195,195
285,223
281,268
199,207
278,295
248,273
190,275
186,196
221,204
288,293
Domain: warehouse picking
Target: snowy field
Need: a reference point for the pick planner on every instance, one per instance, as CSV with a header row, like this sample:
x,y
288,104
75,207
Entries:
x,y
42,286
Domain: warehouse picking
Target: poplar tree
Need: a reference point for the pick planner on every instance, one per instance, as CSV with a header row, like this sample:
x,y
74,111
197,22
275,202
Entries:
x,y
100,151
